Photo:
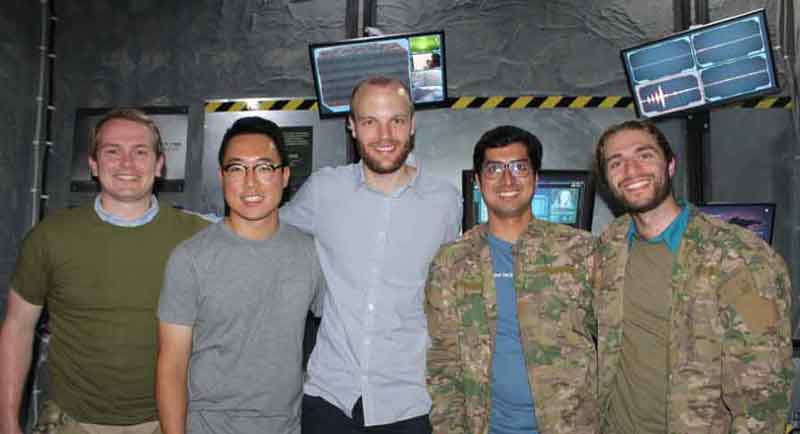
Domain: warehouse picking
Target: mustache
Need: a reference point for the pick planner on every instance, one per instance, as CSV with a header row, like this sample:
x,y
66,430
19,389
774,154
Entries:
x,y
624,181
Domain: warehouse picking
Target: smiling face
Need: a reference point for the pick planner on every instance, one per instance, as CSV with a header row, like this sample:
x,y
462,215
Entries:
x,y
252,191
507,196
382,125
125,162
637,171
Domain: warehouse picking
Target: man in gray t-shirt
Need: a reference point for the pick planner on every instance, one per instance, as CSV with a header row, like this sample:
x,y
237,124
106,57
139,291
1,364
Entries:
x,y
233,307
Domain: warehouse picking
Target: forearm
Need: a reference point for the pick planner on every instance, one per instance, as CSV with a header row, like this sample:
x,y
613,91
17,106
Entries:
x,y
171,396
16,348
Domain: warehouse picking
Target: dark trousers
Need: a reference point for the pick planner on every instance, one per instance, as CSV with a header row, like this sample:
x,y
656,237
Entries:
x,y
322,417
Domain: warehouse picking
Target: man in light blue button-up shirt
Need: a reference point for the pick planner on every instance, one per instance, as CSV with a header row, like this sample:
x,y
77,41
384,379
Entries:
x,y
377,225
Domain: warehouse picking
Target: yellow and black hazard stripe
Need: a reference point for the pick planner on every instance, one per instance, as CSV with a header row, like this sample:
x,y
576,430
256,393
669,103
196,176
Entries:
x,y
540,102
771,102
261,105
485,103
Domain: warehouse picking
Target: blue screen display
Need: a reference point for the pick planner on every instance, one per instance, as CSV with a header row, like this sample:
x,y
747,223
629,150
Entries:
x,y
712,64
758,218
556,202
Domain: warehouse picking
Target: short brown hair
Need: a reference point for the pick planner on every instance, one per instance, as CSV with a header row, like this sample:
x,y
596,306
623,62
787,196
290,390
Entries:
x,y
129,114
639,125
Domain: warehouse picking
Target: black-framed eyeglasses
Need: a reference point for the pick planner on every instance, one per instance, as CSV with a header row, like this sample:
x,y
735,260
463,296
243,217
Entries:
x,y
517,168
263,171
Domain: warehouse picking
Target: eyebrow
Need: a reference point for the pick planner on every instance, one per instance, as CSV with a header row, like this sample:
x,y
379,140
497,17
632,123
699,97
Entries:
x,y
242,160
504,161
639,148
118,145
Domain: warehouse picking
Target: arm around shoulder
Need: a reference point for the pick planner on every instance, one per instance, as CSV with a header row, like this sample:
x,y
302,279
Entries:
x,y
300,211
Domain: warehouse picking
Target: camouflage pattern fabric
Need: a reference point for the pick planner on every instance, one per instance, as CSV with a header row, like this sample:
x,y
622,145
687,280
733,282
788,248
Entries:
x,y
53,420
552,274
730,339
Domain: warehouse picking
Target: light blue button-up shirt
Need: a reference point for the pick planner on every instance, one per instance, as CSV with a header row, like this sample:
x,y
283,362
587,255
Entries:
x,y
375,250
110,218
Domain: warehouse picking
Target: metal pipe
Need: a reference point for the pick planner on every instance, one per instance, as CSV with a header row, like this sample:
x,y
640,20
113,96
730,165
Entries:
x,y
50,109
37,143
682,14
701,12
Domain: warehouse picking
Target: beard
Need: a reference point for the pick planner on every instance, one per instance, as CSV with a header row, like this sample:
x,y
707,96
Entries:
x,y
382,165
662,192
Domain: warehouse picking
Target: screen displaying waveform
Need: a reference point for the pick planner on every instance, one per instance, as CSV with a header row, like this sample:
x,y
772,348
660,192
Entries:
x,y
713,64
671,93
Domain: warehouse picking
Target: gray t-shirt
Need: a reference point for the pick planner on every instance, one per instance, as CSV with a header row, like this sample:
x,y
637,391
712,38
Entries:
x,y
246,302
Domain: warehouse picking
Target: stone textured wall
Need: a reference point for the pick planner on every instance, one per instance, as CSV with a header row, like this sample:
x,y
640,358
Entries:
x,y
19,59
181,52
562,47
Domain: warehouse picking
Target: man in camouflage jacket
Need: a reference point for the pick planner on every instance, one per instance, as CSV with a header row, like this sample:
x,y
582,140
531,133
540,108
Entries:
x,y
728,365
552,268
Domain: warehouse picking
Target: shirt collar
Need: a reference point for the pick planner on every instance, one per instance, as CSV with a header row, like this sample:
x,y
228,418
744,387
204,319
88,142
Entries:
x,y
412,185
671,236
110,218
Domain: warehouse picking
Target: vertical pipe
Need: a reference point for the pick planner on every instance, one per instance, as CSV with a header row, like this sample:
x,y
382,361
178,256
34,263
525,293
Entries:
x,y
701,12
682,14
352,17
37,134
50,108
370,13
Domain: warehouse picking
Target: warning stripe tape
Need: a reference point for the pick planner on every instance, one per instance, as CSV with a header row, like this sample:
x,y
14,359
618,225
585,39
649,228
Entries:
x,y
484,103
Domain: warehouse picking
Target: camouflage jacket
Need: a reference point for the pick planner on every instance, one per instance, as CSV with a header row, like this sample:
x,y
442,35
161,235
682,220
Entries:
x,y
552,275
729,340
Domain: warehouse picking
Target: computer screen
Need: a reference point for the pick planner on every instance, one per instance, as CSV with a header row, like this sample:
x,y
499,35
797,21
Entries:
x,y
757,217
417,59
709,65
562,196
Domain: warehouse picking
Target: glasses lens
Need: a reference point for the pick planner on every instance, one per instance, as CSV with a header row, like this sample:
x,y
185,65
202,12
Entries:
x,y
519,168
495,169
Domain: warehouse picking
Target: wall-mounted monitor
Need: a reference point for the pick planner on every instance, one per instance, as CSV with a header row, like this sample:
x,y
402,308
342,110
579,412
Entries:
x,y
705,66
417,59
562,196
757,217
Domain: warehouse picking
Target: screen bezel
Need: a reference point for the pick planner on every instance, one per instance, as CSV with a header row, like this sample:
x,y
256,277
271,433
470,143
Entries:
x,y
708,105
323,114
585,207
732,205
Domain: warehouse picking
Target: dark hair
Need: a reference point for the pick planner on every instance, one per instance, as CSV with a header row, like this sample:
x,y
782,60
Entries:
x,y
503,136
638,125
381,81
255,125
128,114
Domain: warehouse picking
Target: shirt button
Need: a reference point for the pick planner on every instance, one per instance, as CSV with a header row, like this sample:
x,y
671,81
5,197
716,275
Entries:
x,y
370,307
366,341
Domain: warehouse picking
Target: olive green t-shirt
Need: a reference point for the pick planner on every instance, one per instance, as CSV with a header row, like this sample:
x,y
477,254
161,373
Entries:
x,y
638,399
101,284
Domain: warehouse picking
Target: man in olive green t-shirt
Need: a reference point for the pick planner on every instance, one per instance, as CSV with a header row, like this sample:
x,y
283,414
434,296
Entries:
x,y
99,270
